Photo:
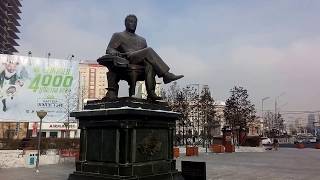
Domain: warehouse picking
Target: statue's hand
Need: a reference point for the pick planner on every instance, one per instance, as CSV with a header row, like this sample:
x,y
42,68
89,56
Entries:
x,y
116,53
113,52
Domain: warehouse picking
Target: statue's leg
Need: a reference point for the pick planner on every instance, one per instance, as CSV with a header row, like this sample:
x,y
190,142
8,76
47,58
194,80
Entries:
x,y
150,80
132,83
148,54
113,86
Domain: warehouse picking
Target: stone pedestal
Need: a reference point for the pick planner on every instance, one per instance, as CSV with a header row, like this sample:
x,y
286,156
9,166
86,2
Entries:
x,y
131,141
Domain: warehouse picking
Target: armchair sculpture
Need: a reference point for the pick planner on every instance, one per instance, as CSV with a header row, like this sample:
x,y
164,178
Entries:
x,y
125,71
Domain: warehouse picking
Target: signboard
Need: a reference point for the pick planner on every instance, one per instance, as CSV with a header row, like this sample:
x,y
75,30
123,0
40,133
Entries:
x,y
29,84
52,126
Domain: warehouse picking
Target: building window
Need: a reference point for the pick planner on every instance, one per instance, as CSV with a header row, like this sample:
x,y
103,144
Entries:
x,y
43,134
63,134
53,134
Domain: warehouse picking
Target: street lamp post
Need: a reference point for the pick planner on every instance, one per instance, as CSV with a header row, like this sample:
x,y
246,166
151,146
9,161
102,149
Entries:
x,y
275,103
41,114
263,99
276,112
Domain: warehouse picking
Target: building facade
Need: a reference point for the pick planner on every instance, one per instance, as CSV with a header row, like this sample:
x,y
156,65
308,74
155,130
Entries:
x,y
13,130
92,82
54,130
219,107
9,16
255,127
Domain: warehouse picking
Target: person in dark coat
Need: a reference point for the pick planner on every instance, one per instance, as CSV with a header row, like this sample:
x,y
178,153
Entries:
x,y
275,144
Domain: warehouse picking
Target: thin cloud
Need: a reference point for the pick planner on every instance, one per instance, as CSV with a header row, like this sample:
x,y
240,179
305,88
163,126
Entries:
x,y
267,47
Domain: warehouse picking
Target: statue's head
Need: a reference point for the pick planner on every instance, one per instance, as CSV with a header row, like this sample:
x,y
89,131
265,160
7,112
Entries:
x,y
131,23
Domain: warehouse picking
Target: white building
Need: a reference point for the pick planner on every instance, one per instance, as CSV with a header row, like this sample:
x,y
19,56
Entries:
x,y
219,107
53,130
141,91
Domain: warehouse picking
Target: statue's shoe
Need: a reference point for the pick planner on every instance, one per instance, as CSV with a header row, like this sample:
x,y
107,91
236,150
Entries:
x,y
111,95
153,97
169,77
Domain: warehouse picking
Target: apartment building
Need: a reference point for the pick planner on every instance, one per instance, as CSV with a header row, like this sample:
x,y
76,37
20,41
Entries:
x,y
9,16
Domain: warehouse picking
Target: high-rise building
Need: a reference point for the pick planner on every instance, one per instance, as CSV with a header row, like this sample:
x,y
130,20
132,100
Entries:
x,y
9,16
93,82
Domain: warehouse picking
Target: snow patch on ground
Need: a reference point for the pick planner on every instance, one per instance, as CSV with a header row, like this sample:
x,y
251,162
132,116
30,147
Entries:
x,y
250,149
182,149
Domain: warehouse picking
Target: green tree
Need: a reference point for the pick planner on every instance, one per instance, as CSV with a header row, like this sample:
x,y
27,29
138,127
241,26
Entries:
x,y
239,110
207,112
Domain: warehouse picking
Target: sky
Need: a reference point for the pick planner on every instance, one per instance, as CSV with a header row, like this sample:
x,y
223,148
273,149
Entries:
x,y
271,48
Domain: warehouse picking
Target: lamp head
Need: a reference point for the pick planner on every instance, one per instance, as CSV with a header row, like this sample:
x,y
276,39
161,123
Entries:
x,y
41,114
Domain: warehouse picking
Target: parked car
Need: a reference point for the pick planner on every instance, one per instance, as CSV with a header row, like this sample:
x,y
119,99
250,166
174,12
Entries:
x,y
312,139
298,141
266,140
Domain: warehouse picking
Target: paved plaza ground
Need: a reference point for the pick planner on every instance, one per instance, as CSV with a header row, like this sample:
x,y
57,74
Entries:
x,y
287,163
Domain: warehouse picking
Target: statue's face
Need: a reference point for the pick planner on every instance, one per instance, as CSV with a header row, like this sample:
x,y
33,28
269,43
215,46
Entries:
x,y
131,24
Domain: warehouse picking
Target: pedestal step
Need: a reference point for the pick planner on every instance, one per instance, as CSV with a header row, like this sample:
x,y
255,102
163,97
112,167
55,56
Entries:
x,y
90,176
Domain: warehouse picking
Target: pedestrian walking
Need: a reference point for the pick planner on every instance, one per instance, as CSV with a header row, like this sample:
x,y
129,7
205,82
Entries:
x,y
275,144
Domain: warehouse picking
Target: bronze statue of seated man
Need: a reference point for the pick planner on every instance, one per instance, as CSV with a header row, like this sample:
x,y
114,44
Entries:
x,y
129,53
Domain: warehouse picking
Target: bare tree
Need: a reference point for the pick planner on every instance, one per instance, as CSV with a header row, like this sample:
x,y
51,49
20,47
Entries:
x,y
274,124
180,101
69,104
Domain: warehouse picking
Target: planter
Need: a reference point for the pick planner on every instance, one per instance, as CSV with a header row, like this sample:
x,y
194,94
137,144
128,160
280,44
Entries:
x,y
217,148
317,146
300,146
176,152
196,151
192,151
229,148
